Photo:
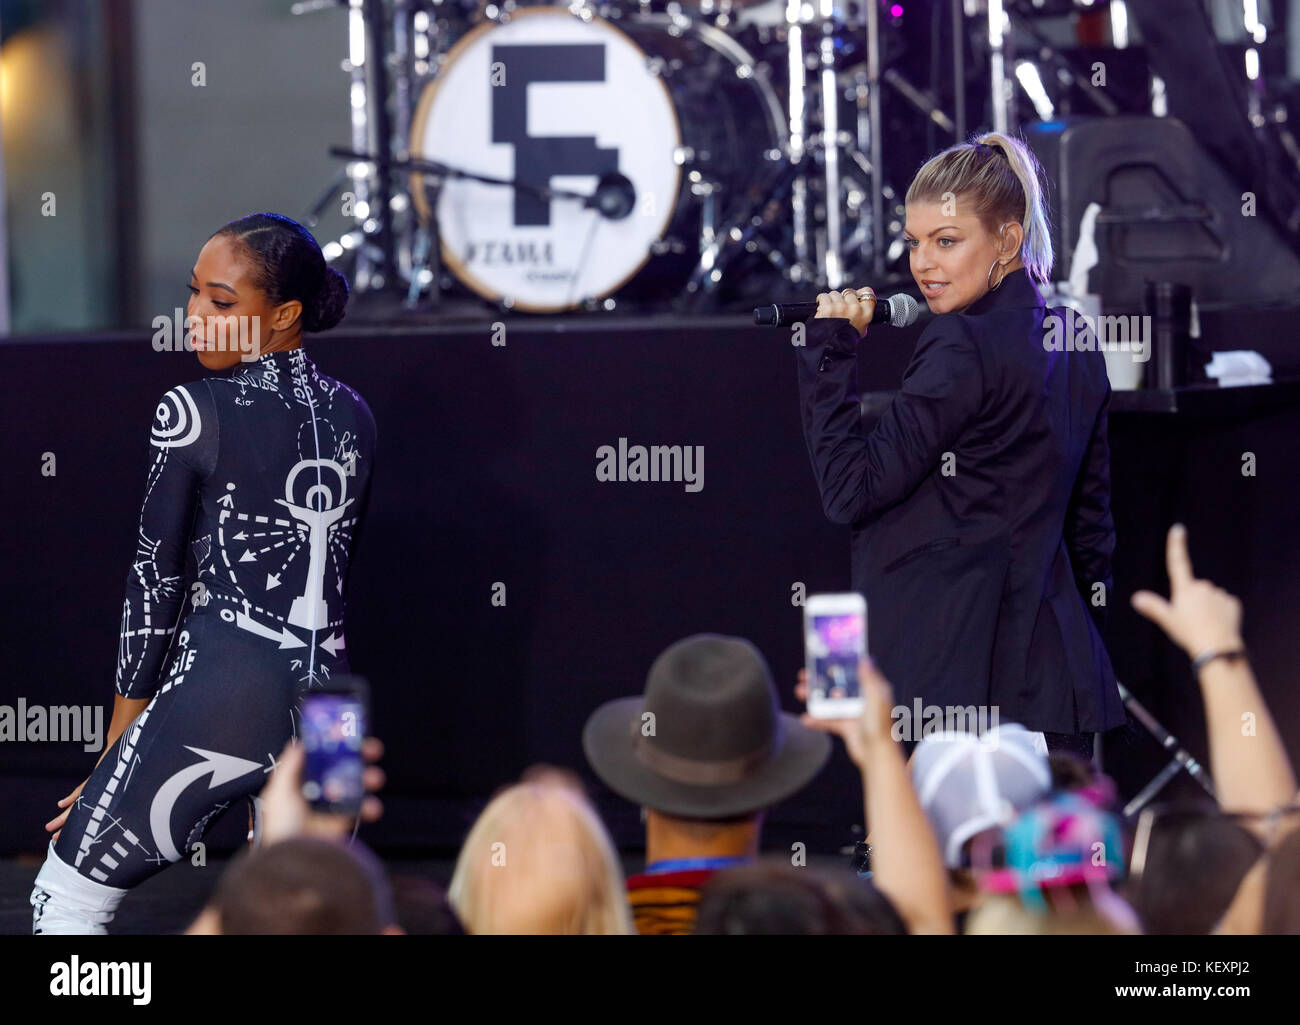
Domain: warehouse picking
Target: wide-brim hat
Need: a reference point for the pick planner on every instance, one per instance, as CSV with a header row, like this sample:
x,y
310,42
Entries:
x,y
707,739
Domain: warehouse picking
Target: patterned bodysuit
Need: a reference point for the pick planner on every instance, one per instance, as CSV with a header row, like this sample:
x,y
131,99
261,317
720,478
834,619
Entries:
x,y
262,476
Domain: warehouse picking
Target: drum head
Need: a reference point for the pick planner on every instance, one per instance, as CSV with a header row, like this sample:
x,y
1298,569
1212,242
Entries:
x,y
556,101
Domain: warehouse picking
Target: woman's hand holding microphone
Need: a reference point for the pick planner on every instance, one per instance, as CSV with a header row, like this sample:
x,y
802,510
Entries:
x,y
856,305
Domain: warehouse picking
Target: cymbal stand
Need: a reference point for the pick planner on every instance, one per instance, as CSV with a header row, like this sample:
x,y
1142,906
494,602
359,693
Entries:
x,y
802,268
369,183
830,251
876,148
998,24
824,255
401,61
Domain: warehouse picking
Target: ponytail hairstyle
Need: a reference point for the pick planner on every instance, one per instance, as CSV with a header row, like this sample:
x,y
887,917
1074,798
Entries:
x,y
289,265
999,175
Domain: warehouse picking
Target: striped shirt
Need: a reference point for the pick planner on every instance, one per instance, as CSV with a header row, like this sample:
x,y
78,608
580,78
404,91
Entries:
x,y
666,903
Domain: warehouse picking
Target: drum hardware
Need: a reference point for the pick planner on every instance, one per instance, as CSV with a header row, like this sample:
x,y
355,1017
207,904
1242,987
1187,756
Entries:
x,y
378,134
714,124
401,62
1050,56
424,268
371,240
763,178
922,101
828,95
821,47
867,89
614,199
998,23
822,255
745,234
873,123
958,69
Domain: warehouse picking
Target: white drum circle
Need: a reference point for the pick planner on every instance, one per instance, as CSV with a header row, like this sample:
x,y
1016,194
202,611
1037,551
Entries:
x,y
558,101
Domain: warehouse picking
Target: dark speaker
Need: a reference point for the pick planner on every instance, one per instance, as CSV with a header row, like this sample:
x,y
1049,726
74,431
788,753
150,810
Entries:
x,y
1169,213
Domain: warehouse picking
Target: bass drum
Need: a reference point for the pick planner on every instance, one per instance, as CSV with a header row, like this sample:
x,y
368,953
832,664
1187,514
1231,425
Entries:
x,y
677,107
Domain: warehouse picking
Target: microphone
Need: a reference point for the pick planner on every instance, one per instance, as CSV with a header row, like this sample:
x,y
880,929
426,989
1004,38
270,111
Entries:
x,y
898,311
614,198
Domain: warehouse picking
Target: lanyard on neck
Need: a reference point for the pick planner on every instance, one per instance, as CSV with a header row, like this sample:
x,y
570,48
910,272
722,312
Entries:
x,y
693,864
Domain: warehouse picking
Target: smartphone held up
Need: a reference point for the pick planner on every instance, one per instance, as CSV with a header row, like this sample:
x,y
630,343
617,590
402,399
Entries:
x,y
835,640
333,729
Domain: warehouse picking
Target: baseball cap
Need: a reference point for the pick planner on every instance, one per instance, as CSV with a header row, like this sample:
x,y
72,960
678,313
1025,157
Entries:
x,y
968,783
1063,839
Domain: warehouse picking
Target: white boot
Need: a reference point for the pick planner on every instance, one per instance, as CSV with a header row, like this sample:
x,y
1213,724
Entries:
x,y
65,902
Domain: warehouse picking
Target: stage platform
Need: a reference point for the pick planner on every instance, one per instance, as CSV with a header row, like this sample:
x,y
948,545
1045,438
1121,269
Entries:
x,y
486,474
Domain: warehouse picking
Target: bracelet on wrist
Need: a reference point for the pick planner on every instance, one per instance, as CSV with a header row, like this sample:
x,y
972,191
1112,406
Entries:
x,y
861,862
1210,654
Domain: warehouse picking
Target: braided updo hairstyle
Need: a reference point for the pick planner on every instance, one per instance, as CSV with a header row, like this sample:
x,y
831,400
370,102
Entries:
x,y
289,265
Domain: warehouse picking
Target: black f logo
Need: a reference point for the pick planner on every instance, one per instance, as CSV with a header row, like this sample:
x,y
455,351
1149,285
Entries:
x,y
537,159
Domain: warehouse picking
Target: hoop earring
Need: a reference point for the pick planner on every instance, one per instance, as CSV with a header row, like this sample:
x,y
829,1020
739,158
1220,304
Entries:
x,y
989,275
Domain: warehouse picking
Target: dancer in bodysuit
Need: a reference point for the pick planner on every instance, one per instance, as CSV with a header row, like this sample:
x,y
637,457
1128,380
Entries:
x,y
261,474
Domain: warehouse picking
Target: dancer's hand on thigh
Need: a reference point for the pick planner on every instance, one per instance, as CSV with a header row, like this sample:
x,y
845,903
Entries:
x,y
66,804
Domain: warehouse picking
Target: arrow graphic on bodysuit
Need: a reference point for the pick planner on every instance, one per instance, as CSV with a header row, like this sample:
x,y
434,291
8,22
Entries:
x,y
286,637
223,769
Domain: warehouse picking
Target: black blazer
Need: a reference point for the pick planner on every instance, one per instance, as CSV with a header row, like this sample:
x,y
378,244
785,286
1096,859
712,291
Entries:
x,y
980,508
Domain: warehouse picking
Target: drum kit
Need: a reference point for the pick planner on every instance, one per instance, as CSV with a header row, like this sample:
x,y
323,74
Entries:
x,y
620,154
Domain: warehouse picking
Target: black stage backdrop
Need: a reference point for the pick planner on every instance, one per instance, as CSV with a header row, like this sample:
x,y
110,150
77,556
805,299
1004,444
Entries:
x,y
486,473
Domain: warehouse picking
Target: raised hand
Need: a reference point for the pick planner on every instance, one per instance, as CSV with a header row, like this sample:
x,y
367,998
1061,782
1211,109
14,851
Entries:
x,y
860,733
286,813
1198,616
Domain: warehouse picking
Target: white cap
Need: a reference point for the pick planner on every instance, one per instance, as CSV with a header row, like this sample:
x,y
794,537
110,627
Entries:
x,y
968,783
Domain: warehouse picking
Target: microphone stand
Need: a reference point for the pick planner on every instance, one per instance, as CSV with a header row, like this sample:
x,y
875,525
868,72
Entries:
x,y
615,191
1180,759
614,198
